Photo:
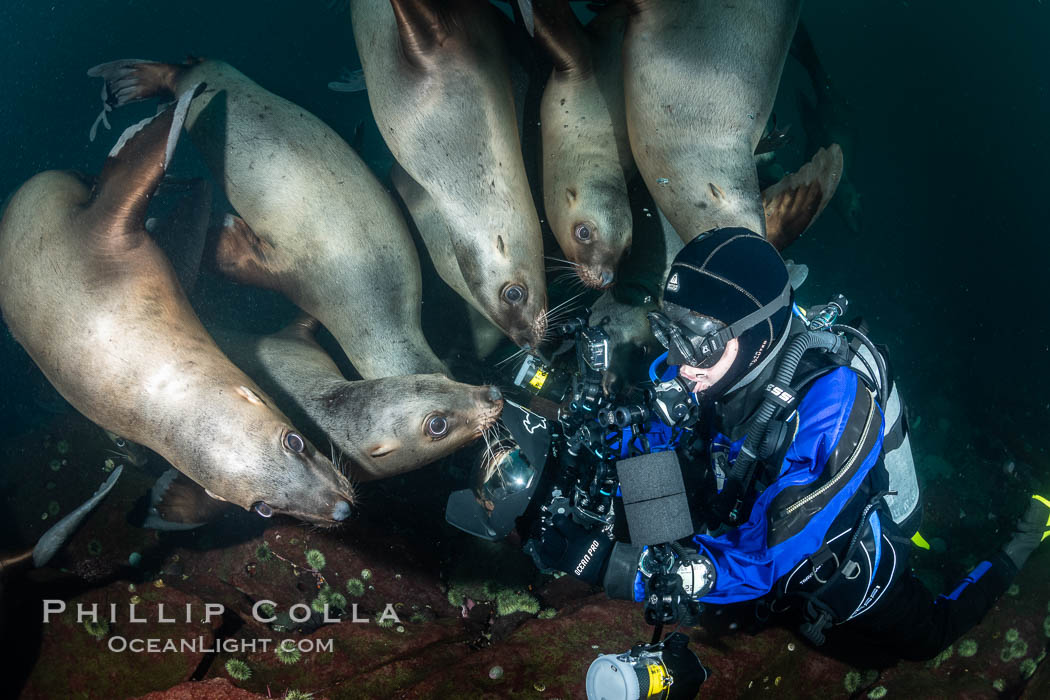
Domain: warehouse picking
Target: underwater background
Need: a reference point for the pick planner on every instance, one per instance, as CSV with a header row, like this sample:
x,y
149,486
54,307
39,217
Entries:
x,y
943,125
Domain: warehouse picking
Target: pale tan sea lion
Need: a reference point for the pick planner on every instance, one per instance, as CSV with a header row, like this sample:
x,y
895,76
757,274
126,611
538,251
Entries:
x,y
699,83
316,224
384,427
584,186
439,88
98,307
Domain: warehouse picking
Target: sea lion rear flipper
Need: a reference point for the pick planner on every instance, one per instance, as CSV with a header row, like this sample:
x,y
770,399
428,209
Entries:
x,y
131,80
242,256
420,28
177,503
132,173
303,327
561,35
792,204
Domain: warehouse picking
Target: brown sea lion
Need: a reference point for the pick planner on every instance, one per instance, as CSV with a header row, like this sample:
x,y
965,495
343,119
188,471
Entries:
x,y
97,306
315,223
440,91
699,83
584,186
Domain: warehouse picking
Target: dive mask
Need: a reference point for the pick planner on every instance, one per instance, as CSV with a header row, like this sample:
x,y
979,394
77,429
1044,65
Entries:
x,y
699,341
694,340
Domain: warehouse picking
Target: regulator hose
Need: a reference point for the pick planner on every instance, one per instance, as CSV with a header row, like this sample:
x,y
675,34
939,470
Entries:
x,y
883,379
739,477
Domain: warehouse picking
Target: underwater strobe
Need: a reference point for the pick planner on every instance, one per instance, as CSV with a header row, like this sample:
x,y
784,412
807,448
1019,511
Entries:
x,y
668,670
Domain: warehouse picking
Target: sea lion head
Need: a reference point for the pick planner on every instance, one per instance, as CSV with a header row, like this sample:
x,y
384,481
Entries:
x,y
593,226
270,467
396,424
509,288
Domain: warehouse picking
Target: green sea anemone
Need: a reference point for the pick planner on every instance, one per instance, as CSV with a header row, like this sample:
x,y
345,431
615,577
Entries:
x,y
314,559
1046,625
999,684
1027,668
297,695
53,508
386,623
267,610
367,574
94,548
1013,590
852,682
238,670
547,613
62,447
1012,635
967,648
98,630
263,553
877,693
1019,648
936,661
55,465
509,602
330,597
356,587
287,653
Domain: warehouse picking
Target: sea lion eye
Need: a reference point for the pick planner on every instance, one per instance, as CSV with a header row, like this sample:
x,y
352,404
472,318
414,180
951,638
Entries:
x,y
514,294
582,232
294,442
437,426
120,442
262,509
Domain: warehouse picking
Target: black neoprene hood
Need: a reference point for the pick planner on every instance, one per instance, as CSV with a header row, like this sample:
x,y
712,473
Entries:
x,y
725,275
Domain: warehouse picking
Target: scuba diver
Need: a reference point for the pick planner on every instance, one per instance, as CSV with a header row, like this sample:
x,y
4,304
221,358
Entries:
x,y
801,495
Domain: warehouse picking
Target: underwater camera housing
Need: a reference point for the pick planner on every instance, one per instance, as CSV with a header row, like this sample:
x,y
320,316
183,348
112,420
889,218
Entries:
x,y
592,432
668,670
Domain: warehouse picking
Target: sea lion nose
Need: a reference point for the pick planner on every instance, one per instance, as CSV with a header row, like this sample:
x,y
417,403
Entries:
x,y
607,278
341,511
494,394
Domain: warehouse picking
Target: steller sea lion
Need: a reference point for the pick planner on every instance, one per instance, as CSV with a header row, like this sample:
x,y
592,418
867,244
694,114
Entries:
x,y
97,306
385,427
439,88
317,225
584,186
699,83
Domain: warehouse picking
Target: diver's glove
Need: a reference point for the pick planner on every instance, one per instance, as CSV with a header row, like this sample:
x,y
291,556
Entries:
x,y
567,546
1032,528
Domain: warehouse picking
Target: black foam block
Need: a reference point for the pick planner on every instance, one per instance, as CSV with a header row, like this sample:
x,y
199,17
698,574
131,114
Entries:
x,y
654,499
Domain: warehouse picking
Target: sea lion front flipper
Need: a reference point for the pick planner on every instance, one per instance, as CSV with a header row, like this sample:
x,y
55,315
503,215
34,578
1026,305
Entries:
x,y
177,503
243,256
132,173
792,204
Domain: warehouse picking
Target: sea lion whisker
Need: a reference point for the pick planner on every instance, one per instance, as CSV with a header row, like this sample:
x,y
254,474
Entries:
x,y
561,260
510,358
564,303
